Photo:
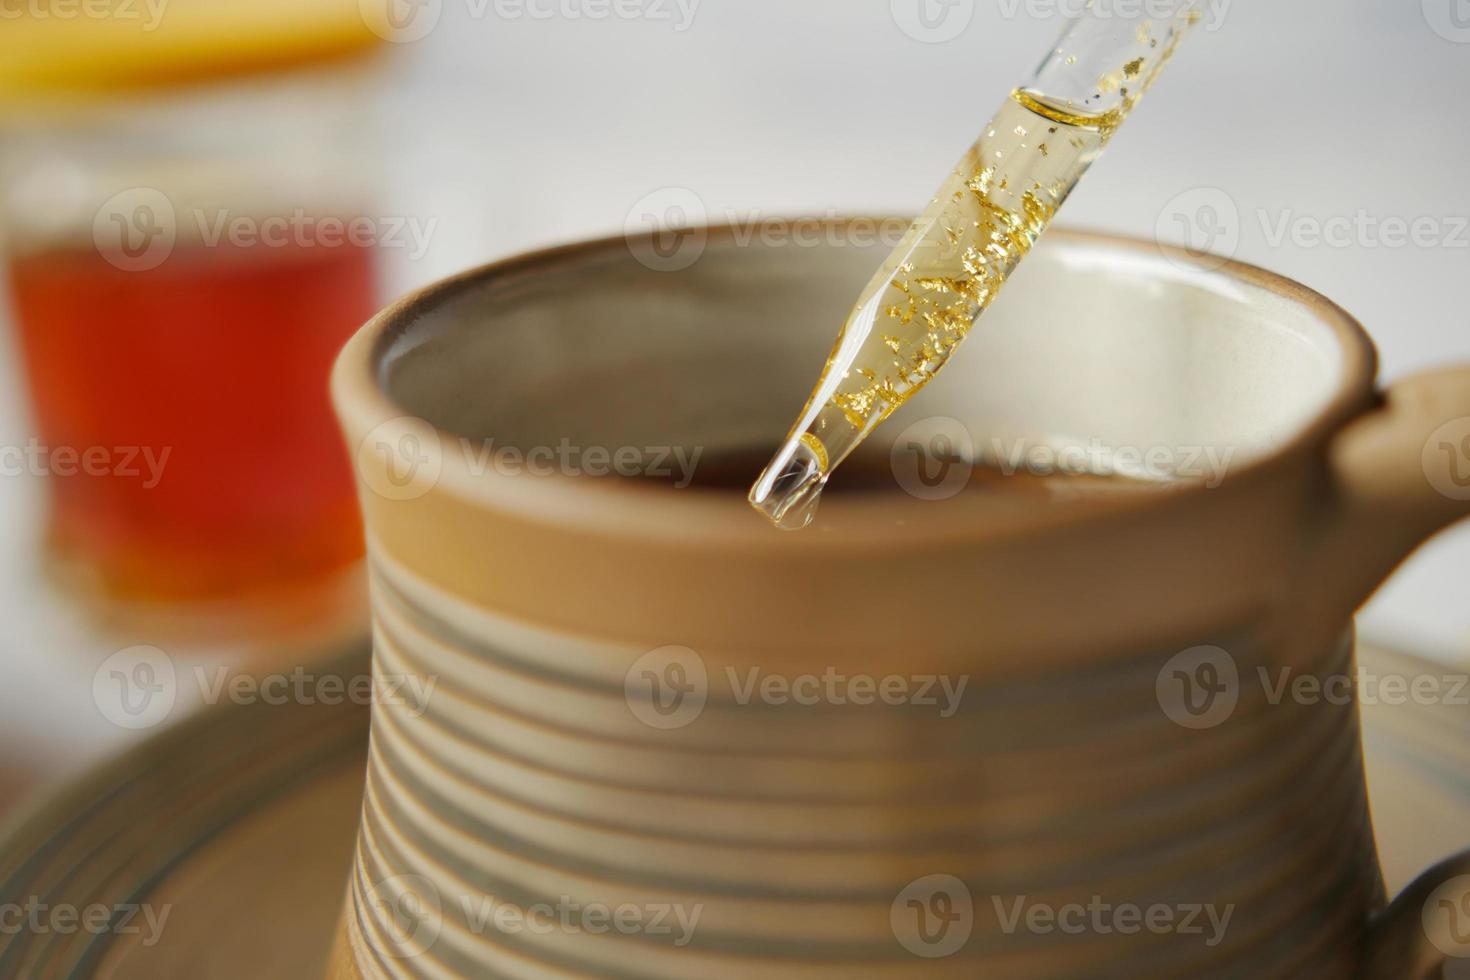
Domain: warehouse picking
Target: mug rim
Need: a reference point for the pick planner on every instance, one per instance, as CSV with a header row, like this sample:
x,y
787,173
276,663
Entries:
x,y
624,508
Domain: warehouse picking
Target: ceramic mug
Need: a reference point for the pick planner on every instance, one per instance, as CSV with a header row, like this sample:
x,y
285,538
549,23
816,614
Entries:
x,y
940,733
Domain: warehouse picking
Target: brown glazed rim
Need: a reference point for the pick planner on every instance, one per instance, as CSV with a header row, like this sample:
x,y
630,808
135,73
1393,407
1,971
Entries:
x,y
627,508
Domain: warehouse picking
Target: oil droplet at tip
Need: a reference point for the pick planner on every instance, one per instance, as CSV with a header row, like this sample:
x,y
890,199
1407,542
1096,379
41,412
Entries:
x,y
790,488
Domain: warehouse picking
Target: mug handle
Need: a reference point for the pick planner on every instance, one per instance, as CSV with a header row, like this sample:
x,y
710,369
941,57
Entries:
x,y
1410,940
1401,473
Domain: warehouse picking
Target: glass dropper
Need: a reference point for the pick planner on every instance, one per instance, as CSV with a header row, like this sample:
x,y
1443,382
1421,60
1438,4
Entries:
x,y
956,256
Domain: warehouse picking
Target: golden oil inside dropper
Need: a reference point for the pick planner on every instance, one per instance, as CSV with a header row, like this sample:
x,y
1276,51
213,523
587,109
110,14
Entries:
x,y
923,302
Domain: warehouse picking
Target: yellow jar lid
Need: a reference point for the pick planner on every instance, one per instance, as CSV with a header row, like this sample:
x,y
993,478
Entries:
x,y
67,49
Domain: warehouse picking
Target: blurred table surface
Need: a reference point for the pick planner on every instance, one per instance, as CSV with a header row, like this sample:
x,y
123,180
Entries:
x,y
510,132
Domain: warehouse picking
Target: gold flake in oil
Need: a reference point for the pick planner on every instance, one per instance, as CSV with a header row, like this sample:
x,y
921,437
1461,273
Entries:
x,y
955,258
974,234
